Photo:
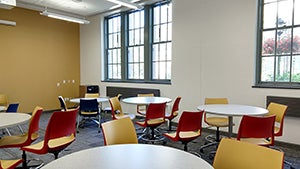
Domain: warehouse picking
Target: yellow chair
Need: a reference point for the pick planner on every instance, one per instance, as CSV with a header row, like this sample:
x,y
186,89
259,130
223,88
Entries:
x,y
116,109
3,100
91,95
120,131
279,111
234,154
9,164
141,108
214,121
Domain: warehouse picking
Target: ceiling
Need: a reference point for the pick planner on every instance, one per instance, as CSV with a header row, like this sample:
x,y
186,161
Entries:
x,y
81,8
76,7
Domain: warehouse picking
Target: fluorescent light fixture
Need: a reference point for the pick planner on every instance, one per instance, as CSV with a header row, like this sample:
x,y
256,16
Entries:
x,y
9,23
64,17
127,4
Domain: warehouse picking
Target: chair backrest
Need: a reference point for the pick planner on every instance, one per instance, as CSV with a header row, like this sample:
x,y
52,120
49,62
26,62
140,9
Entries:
x,y
3,100
63,105
257,127
91,95
89,105
233,154
12,107
61,124
175,107
142,107
189,121
119,131
155,111
279,110
216,101
115,107
33,128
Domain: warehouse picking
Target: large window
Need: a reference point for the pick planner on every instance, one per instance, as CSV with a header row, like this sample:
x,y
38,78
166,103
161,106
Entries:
x,y
279,44
138,45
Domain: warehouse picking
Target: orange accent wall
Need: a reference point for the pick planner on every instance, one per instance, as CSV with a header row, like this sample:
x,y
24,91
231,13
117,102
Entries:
x,y
35,56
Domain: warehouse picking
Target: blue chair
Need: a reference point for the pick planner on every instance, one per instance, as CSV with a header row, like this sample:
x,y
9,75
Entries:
x,y
89,110
12,107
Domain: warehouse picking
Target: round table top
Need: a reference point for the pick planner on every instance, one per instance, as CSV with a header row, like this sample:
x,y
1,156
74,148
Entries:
x,y
99,99
146,100
233,109
12,119
130,156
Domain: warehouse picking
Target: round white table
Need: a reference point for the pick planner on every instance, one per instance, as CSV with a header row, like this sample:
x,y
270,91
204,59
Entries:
x,y
11,119
146,100
99,99
231,110
130,156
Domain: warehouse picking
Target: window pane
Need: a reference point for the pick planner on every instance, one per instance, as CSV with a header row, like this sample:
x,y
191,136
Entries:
x,y
155,53
164,14
169,51
267,69
155,70
284,41
130,54
282,69
268,44
131,37
270,12
297,12
296,69
156,34
285,11
169,31
156,15
163,32
296,41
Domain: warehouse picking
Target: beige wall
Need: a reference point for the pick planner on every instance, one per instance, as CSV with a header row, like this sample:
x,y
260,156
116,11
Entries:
x,y
35,55
213,56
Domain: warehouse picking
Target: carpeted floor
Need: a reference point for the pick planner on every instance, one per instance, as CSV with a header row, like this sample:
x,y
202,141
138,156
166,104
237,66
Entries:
x,y
89,137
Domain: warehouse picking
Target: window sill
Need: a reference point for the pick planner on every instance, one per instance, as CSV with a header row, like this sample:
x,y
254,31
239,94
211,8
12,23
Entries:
x,y
277,86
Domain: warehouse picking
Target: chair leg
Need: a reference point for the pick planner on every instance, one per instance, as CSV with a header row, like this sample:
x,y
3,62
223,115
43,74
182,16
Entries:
x,y
24,164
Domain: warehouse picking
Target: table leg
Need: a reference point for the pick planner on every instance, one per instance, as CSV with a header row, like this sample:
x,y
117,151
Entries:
x,y
230,120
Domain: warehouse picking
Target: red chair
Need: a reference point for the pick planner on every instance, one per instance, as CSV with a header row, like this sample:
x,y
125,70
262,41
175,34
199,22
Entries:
x,y
9,164
189,128
155,116
27,138
60,133
174,113
257,130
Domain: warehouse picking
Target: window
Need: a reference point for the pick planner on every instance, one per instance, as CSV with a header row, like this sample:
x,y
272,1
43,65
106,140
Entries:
x,y
138,45
279,44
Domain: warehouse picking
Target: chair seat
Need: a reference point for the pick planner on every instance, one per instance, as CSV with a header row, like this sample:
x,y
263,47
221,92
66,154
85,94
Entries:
x,y
168,114
14,141
185,134
257,141
10,163
217,121
152,122
119,116
53,144
89,113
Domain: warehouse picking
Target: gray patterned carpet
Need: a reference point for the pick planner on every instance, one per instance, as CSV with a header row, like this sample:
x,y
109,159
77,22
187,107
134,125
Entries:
x,y
89,137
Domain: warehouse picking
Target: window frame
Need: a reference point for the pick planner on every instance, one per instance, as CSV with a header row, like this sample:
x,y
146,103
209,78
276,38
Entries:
x,y
271,84
148,40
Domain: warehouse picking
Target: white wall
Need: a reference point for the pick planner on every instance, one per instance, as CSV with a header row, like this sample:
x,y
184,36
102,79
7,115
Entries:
x,y
213,56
